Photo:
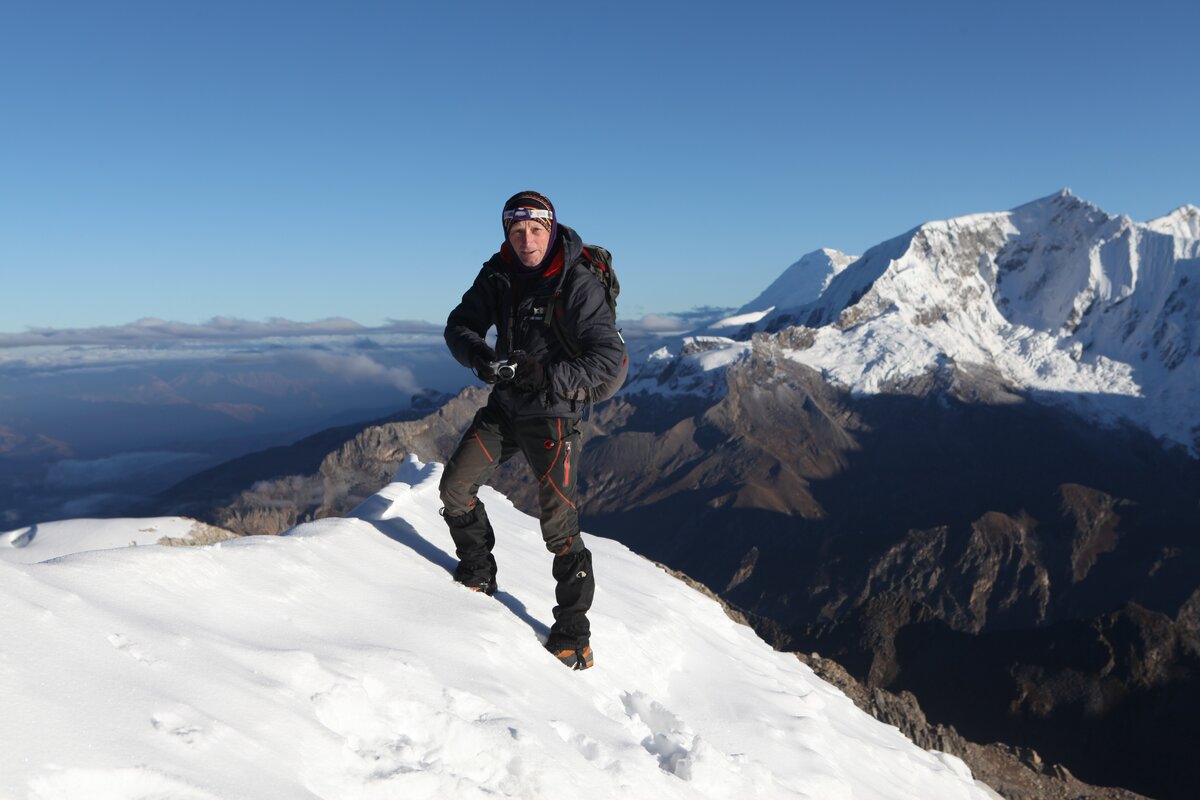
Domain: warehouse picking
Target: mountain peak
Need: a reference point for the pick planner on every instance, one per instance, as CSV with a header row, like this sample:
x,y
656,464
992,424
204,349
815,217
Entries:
x,y
1059,297
1060,201
1183,222
802,282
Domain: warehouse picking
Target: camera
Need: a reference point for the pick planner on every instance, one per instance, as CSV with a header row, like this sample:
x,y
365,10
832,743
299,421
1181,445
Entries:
x,y
504,370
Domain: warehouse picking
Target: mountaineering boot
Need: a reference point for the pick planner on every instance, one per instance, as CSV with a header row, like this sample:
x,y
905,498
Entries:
x,y
576,659
488,586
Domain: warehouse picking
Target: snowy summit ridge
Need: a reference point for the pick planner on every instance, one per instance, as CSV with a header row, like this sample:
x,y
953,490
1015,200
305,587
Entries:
x,y
340,660
802,282
1183,222
1060,300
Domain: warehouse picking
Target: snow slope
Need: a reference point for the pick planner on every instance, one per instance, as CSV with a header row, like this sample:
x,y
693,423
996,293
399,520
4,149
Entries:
x,y
48,540
802,282
1064,302
340,661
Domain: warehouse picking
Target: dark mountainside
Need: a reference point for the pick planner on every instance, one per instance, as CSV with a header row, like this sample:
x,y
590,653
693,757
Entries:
x,y
1032,578
194,496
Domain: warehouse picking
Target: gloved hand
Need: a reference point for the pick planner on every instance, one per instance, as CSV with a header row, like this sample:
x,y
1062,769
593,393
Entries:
x,y
531,375
482,358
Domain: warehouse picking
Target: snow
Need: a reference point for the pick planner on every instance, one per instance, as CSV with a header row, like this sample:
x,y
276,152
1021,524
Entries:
x,y
1183,222
341,661
696,369
738,320
1068,304
48,540
802,282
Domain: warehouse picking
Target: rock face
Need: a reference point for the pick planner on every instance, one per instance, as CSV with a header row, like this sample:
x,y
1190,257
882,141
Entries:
x,y
1016,773
359,466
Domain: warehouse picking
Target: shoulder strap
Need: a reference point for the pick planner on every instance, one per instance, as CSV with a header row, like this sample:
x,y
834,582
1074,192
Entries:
x,y
557,316
598,261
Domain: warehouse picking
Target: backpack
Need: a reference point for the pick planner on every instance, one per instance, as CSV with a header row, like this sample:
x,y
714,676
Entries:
x,y
599,262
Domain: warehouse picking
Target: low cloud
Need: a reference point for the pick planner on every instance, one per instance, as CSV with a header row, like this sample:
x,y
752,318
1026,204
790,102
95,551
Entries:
x,y
120,470
154,343
674,323
149,332
655,323
355,367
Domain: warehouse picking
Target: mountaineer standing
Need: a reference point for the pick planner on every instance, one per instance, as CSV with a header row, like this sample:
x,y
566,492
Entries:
x,y
551,300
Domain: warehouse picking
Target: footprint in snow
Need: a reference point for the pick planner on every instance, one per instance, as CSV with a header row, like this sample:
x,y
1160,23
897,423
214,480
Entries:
x,y
669,741
177,727
133,650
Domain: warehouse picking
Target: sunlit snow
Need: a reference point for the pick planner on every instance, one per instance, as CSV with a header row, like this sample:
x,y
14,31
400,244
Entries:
x,y
1067,304
341,661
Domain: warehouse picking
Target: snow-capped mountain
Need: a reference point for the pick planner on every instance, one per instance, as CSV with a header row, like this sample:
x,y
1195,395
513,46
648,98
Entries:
x,y
1182,223
340,660
1056,299
802,282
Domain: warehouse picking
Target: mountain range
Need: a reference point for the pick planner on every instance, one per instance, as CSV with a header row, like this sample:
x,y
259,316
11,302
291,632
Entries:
x,y
1055,299
964,465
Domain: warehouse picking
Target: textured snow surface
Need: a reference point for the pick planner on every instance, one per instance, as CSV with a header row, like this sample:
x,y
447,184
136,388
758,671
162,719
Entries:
x,y
1065,303
48,540
340,661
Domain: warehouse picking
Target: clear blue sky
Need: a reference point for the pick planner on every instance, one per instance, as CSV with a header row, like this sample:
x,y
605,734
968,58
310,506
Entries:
x,y
187,160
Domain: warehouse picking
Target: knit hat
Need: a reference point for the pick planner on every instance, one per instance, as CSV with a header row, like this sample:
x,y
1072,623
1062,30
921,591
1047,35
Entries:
x,y
529,205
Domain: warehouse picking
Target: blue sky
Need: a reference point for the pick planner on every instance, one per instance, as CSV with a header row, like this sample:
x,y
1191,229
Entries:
x,y
306,160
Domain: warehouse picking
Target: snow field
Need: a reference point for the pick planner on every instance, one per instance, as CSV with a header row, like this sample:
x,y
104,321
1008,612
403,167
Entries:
x,y
340,661
48,540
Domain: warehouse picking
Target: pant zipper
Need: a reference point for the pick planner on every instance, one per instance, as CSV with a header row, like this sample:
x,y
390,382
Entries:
x,y
567,466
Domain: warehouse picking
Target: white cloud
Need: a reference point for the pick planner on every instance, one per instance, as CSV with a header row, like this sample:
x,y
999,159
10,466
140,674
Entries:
x,y
149,332
360,367
153,342
680,322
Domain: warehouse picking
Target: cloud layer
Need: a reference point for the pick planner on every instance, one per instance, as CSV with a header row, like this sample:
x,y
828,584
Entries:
x,y
151,331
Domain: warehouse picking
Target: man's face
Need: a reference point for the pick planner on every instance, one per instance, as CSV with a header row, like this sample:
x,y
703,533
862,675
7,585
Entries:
x,y
530,240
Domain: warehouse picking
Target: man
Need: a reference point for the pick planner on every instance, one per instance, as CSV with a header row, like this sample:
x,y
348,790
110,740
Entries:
x,y
535,410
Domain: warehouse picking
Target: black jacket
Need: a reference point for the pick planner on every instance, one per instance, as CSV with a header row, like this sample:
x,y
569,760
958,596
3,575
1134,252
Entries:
x,y
521,324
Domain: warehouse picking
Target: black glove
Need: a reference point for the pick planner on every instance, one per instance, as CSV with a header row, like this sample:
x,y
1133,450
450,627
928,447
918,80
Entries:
x,y
482,358
531,375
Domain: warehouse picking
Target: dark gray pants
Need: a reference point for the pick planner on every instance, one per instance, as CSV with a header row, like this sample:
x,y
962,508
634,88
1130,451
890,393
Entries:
x,y
551,447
